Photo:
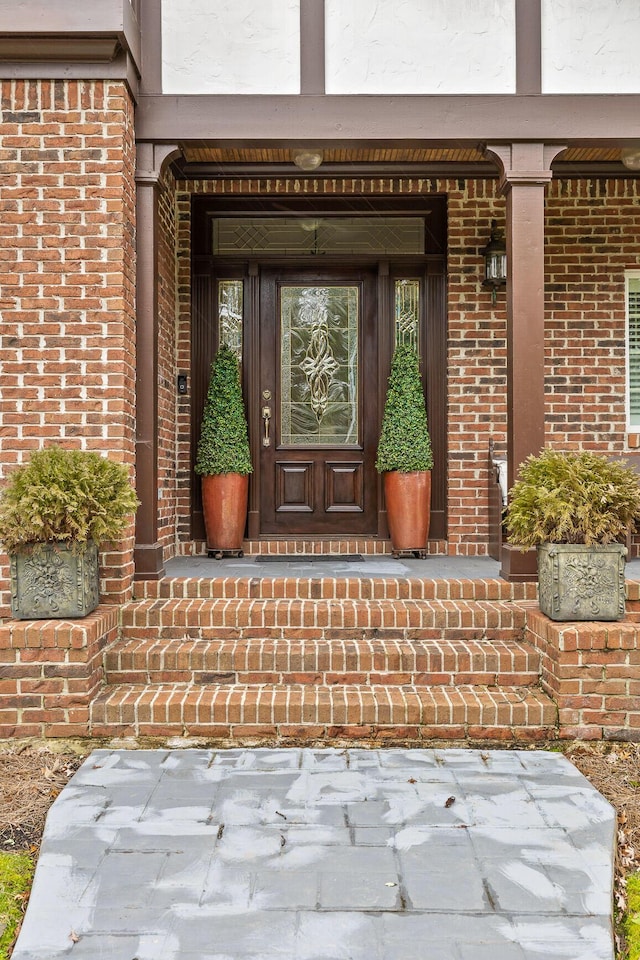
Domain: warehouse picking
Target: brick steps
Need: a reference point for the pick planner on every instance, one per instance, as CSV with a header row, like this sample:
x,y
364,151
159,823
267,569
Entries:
x,y
307,711
321,619
324,662
326,588
360,659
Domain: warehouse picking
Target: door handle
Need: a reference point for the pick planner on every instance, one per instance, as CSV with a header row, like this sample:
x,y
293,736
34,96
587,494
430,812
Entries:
x,y
266,420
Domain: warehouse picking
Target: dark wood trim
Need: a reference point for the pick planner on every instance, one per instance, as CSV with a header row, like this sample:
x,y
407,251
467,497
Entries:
x,y
341,120
48,27
65,16
151,30
312,47
431,268
329,171
146,549
528,47
252,388
435,376
526,171
122,68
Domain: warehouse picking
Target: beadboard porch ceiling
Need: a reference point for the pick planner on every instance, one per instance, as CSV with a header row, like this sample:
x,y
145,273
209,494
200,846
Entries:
x,y
204,157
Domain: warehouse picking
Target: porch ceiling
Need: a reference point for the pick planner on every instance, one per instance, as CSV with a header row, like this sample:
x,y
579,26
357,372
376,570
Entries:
x,y
202,158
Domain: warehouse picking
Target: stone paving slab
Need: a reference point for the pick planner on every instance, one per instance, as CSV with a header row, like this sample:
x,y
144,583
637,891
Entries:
x,y
324,855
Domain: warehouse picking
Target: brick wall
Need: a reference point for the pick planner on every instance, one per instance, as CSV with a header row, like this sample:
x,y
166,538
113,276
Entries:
x,y
67,280
592,236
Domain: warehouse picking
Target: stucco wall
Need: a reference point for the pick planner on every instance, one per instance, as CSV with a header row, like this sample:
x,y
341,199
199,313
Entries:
x,y
231,46
398,46
407,46
590,46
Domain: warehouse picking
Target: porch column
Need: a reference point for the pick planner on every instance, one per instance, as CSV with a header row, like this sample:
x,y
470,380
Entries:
x,y
148,551
526,169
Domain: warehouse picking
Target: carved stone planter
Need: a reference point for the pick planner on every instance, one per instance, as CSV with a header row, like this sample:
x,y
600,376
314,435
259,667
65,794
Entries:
x,y
581,583
54,581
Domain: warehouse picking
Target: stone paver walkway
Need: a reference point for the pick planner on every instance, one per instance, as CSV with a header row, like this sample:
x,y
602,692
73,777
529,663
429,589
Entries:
x,y
324,855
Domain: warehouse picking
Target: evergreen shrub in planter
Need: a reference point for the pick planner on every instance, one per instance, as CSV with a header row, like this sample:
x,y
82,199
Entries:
x,y
54,512
576,508
404,453
223,457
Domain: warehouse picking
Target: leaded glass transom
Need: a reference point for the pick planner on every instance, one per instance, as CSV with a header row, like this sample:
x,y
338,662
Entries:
x,y
230,309
319,365
407,311
309,236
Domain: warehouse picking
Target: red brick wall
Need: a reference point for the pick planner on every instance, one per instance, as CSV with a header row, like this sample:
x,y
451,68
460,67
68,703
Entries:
x,y
592,236
67,278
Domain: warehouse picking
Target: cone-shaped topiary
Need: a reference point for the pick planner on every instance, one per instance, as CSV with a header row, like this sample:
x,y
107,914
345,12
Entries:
x,y
405,444
582,498
66,496
224,443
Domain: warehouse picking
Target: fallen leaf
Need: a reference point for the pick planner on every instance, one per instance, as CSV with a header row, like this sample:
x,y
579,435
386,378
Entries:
x,y
73,936
449,802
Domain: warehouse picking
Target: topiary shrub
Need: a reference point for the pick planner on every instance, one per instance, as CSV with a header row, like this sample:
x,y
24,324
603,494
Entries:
x,y
572,498
224,442
405,444
67,496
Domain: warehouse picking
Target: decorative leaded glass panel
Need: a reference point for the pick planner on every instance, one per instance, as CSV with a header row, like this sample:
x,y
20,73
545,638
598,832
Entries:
x,y
633,306
319,365
230,305
335,235
407,311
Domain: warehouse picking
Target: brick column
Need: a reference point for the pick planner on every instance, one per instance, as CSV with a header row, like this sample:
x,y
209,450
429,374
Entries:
x,y
526,169
148,555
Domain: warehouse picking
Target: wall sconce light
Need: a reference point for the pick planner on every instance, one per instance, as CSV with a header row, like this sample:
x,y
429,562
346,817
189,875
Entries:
x,y
630,156
308,160
495,262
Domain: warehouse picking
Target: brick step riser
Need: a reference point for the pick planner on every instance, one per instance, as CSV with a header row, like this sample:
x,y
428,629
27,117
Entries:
x,y
292,588
364,620
265,662
275,712
428,678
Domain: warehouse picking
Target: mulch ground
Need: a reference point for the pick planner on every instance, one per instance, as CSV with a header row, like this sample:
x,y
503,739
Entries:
x,y
32,776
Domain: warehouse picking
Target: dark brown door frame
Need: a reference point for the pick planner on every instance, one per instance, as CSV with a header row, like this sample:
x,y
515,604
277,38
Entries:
x,y
206,270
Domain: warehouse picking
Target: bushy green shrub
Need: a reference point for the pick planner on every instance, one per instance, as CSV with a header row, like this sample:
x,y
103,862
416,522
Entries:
x,y
66,496
405,444
572,498
224,443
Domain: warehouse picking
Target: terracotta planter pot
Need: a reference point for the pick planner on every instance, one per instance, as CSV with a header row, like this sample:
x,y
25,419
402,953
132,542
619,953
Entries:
x,y
224,502
408,497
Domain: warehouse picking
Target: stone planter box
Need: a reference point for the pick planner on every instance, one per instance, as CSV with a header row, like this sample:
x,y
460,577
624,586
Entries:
x,y
54,581
576,582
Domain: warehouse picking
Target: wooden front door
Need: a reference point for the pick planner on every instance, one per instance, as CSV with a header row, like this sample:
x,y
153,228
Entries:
x,y
318,402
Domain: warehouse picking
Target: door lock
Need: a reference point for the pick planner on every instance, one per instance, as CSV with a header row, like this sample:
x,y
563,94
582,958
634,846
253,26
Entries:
x,y
266,420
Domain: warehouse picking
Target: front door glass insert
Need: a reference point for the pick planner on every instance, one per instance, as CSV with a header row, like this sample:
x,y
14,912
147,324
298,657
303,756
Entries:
x,y
407,310
319,365
230,310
